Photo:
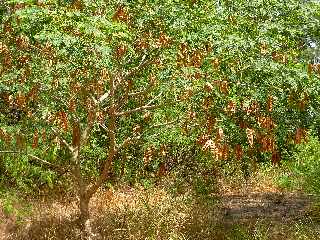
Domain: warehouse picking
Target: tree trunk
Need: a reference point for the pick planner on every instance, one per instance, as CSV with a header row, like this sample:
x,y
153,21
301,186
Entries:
x,y
84,209
84,218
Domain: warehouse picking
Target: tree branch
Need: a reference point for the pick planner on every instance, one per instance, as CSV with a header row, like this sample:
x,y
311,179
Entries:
x,y
127,141
5,152
104,96
139,109
164,124
145,61
49,164
58,134
104,128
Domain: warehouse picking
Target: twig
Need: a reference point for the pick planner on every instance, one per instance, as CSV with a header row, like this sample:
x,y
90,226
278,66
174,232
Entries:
x,y
49,164
58,134
14,152
164,124
139,109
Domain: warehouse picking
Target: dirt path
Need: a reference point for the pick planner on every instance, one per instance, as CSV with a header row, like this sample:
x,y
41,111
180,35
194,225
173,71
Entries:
x,y
275,206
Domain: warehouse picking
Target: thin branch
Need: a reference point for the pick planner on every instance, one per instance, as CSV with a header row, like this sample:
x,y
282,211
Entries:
x,y
164,124
127,141
108,93
145,61
58,134
104,127
134,94
104,96
139,109
145,107
5,152
49,164
152,100
142,92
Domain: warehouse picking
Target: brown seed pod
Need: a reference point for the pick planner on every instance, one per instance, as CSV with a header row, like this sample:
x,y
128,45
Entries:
x,y
105,75
148,155
263,49
121,15
21,100
100,117
238,151
231,107
72,105
208,87
3,48
276,157
163,40
196,59
250,136
202,139
24,59
219,135
147,116
121,51
211,121
224,87
62,119
7,61
76,134
216,63
22,42
35,139
141,44
137,129
301,134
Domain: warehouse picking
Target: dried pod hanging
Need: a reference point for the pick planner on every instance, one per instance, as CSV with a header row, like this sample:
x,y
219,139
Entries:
x,y
100,117
21,100
270,104
276,157
121,15
231,107
263,49
224,87
216,63
238,151
76,134
148,155
250,136
22,42
208,87
35,142
44,135
105,75
120,51
146,116
72,105
62,120
163,40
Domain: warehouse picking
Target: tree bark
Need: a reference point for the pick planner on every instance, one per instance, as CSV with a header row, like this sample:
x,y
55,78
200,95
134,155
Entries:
x,y
84,209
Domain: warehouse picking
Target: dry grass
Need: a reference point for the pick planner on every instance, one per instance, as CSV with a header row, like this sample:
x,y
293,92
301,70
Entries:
x,y
156,213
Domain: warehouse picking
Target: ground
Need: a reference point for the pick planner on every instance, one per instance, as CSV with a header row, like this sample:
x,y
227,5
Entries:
x,y
253,209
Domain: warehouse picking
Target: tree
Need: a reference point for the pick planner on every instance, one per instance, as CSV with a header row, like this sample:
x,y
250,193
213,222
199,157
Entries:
x,y
75,71
89,75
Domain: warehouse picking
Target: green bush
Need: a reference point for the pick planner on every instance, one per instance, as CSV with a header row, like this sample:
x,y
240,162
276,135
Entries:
x,y
304,169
